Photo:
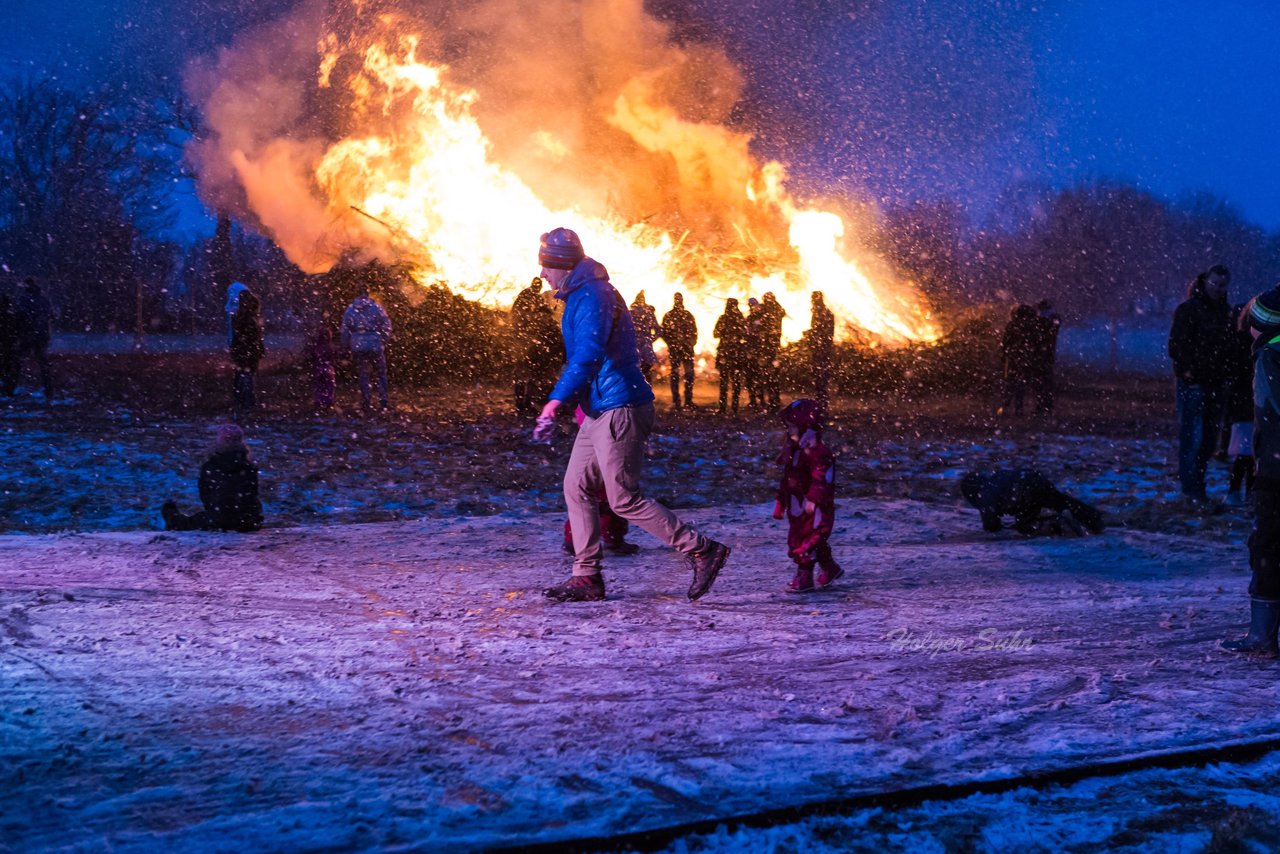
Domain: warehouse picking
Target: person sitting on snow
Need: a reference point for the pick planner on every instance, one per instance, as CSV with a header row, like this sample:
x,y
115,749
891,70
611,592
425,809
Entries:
x,y
807,496
228,490
1023,494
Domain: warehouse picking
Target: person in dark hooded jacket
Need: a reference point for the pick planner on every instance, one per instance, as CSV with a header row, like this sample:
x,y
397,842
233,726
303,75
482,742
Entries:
x,y
35,326
1017,353
731,332
680,331
247,350
1264,541
228,490
1199,346
1024,494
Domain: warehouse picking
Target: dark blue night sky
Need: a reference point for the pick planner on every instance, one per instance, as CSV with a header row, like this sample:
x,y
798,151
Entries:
x,y
909,99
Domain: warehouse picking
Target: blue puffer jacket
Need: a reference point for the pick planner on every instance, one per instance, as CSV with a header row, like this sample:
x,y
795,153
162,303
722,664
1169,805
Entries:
x,y
602,369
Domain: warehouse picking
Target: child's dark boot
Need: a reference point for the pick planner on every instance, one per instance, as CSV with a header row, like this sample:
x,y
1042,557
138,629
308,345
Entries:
x,y
803,582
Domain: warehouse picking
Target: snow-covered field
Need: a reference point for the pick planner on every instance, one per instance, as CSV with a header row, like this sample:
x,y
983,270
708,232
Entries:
x,y
404,685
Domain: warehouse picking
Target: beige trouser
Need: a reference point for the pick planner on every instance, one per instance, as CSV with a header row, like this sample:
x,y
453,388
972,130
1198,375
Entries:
x,y
609,451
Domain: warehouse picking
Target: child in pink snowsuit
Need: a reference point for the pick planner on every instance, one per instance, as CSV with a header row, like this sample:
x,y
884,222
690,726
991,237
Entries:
x,y
807,496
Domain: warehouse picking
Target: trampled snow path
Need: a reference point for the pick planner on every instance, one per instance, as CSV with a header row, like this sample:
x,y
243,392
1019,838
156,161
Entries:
x,y
404,683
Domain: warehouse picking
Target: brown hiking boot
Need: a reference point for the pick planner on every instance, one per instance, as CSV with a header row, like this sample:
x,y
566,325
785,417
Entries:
x,y
706,566
579,588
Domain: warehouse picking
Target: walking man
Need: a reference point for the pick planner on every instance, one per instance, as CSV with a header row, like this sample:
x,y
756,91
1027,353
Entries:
x,y
602,372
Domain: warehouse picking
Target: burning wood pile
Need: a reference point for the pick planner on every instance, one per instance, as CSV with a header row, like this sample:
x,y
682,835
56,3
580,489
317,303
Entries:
x,y
451,142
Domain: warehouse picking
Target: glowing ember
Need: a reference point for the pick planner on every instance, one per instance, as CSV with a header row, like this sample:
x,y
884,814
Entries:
x,y
416,156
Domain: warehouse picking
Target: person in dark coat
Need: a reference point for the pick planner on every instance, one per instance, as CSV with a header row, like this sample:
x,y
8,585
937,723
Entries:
x,y
324,364
645,320
1264,540
246,350
35,329
8,346
1048,323
1024,494
1199,344
228,490
822,342
680,331
526,329
1018,353
770,345
731,333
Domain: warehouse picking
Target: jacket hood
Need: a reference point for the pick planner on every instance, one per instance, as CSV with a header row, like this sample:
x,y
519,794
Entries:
x,y
233,295
587,270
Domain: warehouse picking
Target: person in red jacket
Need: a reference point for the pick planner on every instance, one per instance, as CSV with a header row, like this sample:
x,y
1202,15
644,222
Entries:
x,y
807,496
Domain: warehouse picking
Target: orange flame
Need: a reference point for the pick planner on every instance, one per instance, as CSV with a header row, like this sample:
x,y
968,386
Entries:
x,y
418,160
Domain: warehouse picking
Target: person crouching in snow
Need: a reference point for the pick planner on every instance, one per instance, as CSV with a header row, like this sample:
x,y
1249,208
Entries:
x,y
807,496
1023,494
228,490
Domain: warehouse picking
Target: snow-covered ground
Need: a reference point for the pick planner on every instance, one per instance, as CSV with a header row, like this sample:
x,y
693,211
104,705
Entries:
x,y
404,684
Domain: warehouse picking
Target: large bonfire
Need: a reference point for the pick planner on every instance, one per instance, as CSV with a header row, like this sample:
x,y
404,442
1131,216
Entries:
x,y
450,138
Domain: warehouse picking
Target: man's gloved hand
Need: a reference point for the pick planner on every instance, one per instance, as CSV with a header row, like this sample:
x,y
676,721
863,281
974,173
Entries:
x,y
777,510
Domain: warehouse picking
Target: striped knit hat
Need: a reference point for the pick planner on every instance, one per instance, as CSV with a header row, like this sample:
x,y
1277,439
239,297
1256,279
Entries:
x,y
560,250
1264,315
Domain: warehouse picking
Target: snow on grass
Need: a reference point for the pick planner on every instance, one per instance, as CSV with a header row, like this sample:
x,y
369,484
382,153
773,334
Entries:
x,y
404,684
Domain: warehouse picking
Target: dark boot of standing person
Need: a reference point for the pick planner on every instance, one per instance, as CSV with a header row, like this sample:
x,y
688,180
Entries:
x,y
1264,624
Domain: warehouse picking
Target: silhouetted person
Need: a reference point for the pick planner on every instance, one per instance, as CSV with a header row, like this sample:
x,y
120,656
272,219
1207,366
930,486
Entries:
x,y
35,330
366,330
1199,343
8,346
1024,494
645,320
532,323
770,343
324,364
680,331
247,350
1046,356
731,332
1018,352
822,341
234,290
